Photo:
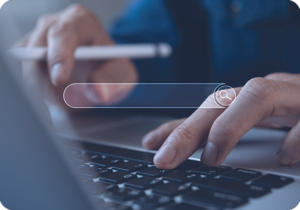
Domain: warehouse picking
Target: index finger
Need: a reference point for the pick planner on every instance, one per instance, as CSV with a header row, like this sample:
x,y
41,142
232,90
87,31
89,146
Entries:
x,y
76,26
189,136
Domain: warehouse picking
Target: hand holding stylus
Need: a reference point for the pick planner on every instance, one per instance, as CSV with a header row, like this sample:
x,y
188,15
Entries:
x,y
62,34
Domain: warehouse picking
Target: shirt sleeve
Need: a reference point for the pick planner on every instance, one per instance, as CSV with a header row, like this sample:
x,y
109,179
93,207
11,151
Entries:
x,y
147,21
252,38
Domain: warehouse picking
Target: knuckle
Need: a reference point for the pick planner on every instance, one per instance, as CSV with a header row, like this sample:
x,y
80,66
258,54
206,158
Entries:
x,y
285,109
260,88
274,76
225,130
78,9
61,28
60,56
185,134
44,20
54,58
281,76
255,82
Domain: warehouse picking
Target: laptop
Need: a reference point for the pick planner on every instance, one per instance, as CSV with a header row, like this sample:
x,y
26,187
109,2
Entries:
x,y
102,166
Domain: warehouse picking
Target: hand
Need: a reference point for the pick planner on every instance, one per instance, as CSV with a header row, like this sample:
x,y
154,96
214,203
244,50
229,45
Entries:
x,y
272,102
63,33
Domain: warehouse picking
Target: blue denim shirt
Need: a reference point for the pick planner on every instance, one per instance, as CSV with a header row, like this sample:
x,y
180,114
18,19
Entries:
x,y
248,38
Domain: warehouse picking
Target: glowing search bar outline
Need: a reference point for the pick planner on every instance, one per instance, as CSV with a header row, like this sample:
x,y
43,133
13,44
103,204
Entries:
x,y
218,106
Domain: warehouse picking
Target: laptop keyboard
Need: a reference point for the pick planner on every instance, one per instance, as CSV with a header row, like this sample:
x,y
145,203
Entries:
x,y
129,179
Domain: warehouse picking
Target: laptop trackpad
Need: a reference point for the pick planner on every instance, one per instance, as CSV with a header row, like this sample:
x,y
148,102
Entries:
x,y
126,132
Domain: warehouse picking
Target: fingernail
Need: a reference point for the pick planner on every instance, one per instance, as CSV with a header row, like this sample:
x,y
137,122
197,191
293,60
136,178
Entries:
x,y
165,155
151,137
55,74
210,153
283,158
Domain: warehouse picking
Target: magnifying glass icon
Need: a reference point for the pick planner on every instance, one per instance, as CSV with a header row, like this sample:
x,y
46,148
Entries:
x,y
224,94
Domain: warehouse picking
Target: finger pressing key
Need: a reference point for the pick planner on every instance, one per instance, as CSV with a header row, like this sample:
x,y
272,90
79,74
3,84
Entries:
x,y
187,137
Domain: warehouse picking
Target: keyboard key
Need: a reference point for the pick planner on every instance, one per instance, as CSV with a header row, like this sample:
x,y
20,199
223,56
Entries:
x,y
130,166
118,177
74,163
171,189
78,156
153,201
153,172
104,161
232,187
188,165
181,177
124,194
88,171
273,181
185,206
121,207
143,183
109,187
87,181
224,200
121,153
92,172
104,172
98,188
241,175
209,171
89,186
101,204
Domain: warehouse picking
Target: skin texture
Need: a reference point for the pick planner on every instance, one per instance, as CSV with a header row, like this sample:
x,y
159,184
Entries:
x,y
272,102
63,33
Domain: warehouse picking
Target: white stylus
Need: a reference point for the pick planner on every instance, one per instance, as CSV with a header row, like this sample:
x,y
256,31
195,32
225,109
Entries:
x,y
134,51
